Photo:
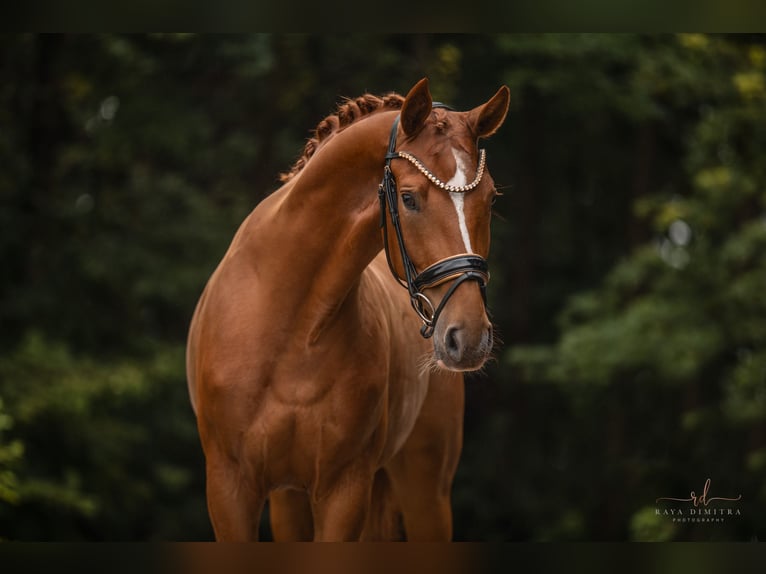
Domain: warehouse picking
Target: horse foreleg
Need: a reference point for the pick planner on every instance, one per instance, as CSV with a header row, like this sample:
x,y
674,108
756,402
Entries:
x,y
422,472
340,511
384,517
290,513
234,504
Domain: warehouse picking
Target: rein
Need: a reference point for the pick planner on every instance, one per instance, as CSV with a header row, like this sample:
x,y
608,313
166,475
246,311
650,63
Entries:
x,y
457,268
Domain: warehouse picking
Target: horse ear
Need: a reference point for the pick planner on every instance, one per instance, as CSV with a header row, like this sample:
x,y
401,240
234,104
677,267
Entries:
x,y
487,118
416,108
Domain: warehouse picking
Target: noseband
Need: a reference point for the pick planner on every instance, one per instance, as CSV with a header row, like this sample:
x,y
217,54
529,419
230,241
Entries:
x,y
458,268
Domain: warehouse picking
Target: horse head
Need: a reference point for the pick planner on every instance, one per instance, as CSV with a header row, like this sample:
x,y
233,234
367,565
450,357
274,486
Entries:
x,y
439,196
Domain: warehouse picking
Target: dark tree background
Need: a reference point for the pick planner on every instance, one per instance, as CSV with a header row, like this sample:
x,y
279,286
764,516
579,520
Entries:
x,y
628,269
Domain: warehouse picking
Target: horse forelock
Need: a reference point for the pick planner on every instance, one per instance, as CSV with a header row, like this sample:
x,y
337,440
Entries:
x,y
349,111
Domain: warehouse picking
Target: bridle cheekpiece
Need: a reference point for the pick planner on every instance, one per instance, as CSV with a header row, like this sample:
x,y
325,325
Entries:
x,y
457,268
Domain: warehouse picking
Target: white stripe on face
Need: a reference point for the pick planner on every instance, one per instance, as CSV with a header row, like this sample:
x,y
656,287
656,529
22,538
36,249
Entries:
x,y
458,198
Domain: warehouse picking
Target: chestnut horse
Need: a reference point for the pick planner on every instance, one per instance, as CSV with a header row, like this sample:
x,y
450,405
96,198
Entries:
x,y
312,383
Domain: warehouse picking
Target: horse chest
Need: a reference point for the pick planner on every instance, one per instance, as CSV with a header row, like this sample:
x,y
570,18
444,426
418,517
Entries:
x,y
337,403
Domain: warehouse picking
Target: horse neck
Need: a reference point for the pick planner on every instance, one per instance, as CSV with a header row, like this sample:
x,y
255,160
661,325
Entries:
x,y
327,221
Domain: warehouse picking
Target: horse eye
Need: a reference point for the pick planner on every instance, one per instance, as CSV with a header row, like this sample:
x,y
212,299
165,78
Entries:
x,y
409,201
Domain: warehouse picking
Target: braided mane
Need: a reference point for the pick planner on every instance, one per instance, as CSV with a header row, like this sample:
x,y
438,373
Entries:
x,y
348,112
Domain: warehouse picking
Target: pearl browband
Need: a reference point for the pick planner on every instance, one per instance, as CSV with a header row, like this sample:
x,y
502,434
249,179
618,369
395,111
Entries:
x,y
436,181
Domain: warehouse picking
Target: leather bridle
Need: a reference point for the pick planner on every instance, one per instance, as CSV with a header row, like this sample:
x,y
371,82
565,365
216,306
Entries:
x,y
457,268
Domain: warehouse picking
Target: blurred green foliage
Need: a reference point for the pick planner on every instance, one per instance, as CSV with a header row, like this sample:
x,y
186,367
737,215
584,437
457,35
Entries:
x,y
628,268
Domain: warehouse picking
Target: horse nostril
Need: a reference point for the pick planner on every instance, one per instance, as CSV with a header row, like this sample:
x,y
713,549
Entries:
x,y
452,343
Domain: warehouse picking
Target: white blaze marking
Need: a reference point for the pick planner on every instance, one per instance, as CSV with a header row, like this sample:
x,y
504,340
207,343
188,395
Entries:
x,y
459,198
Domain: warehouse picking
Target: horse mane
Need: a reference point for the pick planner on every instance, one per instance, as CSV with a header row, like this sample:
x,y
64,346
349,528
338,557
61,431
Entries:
x,y
350,110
